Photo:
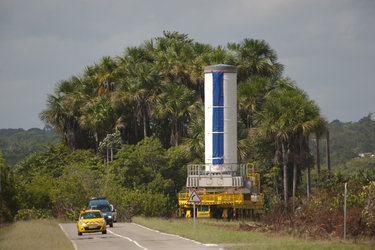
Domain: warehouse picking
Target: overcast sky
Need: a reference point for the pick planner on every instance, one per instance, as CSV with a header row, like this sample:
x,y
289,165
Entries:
x,y
327,47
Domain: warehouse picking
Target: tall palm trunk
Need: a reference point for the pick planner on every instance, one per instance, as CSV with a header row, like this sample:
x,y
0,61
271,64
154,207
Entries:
x,y
135,129
317,156
174,134
328,156
308,184
107,155
144,122
285,169
96,133
294,182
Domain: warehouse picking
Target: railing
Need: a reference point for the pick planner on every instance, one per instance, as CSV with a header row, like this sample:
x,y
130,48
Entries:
x,y
210,169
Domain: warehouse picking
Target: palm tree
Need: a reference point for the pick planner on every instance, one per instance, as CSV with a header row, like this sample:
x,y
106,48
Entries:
x,y
176,103
55,114
144,88
63,111
289,117
99,117
193,144
320,129
273,122
250,95
173,55
255,57
105,74
306,119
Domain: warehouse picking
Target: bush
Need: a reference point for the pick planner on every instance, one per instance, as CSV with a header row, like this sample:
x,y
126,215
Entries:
x,y
322,216
32,214
131,203
9,196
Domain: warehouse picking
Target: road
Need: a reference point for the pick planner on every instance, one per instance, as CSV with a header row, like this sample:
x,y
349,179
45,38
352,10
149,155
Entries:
x,y
130,236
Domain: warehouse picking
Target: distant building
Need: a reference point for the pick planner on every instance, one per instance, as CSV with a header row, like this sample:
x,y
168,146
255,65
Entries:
x,y
365,155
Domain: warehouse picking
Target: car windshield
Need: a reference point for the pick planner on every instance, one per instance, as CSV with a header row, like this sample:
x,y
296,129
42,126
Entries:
x,y
91,215
101,207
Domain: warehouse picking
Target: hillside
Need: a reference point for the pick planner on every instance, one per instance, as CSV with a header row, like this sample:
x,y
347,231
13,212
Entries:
x,y
347,141
16,144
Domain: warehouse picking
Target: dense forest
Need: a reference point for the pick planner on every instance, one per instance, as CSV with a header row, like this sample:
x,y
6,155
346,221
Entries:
x,y
16,144
130,124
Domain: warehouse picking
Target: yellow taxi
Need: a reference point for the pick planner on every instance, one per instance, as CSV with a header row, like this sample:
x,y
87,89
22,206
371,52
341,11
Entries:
x,y
91,221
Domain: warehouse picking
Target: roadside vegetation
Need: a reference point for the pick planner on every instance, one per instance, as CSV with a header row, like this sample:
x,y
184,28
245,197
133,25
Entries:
x,y
34,235
130,124
236,235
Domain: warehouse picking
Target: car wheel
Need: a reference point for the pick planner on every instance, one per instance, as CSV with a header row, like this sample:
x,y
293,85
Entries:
x,y
111,225
104,232
79,233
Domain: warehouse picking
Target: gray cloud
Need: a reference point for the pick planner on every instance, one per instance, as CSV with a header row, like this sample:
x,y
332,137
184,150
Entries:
x,y
327,46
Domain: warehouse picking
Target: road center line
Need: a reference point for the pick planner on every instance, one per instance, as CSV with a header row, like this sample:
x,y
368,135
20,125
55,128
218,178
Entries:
x,y
127,238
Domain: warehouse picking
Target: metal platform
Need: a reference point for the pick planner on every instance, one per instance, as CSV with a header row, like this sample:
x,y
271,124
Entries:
x,y
207,175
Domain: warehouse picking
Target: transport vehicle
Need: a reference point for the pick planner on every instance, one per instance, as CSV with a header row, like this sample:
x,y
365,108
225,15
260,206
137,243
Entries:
x,y
102,204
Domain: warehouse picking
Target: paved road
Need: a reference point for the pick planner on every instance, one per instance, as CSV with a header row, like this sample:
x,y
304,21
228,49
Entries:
x,y
130,236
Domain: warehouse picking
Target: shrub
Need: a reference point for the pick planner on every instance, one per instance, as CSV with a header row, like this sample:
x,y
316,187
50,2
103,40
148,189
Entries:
x,y
130,203
31,214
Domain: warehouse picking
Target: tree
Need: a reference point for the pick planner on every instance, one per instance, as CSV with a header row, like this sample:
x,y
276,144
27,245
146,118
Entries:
x,y
110,142
255,57
64,109
273,122
319,130
193,144
99,117
105,74
137,166
289,117
176,103
9,200
250,96
307,120
144,87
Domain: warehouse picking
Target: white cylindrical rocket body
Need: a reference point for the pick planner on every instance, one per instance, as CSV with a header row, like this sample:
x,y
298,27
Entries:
x,y
220,92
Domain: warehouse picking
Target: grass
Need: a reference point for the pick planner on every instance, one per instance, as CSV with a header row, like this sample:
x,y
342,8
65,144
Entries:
x,y
211,231
34,234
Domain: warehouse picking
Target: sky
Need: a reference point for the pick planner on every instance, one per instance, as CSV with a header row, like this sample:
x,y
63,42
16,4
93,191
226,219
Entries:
x,y
327,47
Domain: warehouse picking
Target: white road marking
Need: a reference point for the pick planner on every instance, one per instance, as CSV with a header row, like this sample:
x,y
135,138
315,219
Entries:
x,y
74,244
127,238
178,236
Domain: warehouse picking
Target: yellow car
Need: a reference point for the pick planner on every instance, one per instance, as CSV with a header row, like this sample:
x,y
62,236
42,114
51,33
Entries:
x,y
91,221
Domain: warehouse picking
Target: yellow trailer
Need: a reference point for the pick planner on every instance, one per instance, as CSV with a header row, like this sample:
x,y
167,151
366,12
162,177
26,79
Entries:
x,y
242,199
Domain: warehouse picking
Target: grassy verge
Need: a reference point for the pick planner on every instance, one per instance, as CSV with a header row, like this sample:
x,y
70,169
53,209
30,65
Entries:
x,y
225,234
34,234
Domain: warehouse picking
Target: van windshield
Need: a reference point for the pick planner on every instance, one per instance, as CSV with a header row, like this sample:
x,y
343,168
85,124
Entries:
x,y
101,207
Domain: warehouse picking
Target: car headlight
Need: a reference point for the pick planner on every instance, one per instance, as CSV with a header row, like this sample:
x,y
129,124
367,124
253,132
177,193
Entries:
x,y
102,222
109,217
82,223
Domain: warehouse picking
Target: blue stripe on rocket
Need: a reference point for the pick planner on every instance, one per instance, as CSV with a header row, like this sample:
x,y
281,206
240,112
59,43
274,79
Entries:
x,y
218,118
